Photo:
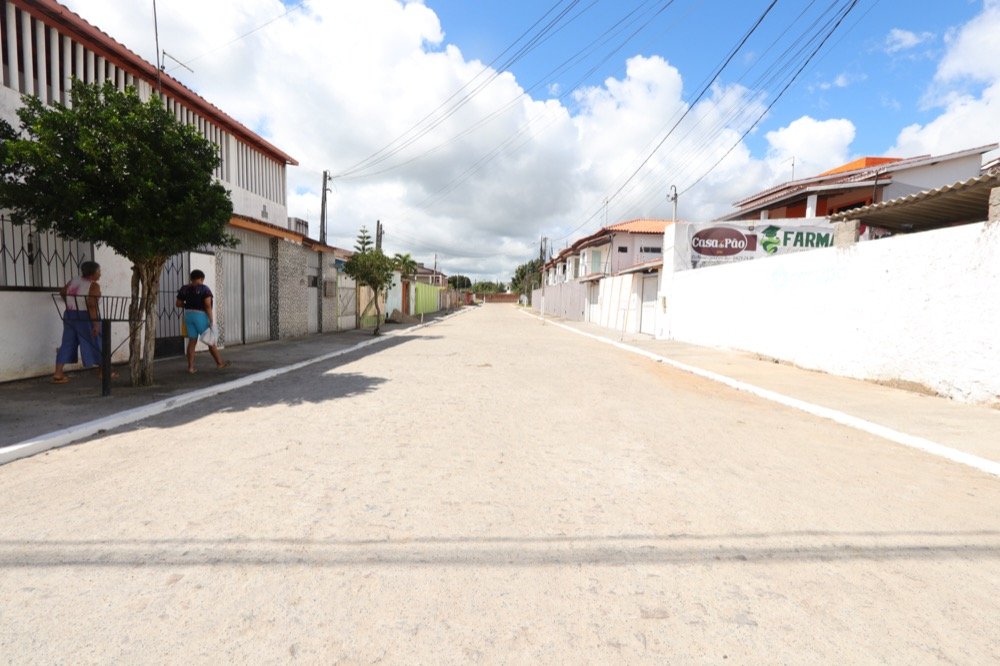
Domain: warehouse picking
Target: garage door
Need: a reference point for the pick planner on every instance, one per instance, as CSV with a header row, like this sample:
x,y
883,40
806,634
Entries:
x,y
246,293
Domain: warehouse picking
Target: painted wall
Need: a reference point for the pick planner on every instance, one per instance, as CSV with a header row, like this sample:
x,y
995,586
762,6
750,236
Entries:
x,y
918,308
932,176
32,328
562,300
633,242
394,297
619,303
425,298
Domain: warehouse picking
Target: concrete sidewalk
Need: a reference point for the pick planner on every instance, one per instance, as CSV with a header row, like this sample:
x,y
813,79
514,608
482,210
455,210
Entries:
x,y
30,408
973,429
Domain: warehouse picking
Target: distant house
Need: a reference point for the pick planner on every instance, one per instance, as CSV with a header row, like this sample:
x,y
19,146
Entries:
x,y
275,283
430,276
863,182
609,250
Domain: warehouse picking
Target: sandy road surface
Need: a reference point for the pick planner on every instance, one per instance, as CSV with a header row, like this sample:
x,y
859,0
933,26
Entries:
x,y
491,489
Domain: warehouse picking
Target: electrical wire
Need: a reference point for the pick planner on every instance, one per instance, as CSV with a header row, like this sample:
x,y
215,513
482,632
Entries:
x,y
301,4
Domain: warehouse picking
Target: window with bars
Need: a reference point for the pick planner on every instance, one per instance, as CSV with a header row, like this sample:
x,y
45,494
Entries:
x,y
32,259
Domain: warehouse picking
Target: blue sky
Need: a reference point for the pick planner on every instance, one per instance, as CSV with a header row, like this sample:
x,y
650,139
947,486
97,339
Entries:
x,y
858,76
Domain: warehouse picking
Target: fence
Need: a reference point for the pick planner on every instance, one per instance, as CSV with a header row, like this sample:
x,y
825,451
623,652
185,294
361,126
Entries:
x,y
426,298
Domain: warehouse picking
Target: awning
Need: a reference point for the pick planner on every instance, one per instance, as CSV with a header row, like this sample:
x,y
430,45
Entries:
x,y
643,267
964,201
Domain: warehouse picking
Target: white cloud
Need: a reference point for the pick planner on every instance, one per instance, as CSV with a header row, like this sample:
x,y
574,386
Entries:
x,y
902,40
969,116
842,80
335,81
973,52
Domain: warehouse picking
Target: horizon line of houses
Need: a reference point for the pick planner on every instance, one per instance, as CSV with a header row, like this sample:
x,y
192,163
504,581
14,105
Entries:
x,y
830,294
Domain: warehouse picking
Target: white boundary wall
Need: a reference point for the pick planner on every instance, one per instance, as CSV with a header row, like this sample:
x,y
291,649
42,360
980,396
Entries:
x,y
922,307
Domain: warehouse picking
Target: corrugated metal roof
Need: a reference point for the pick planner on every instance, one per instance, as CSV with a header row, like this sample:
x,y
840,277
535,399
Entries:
x,y
964,201
794,187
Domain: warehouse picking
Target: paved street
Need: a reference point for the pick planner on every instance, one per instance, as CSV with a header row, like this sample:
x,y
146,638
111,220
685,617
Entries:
x,y
493,489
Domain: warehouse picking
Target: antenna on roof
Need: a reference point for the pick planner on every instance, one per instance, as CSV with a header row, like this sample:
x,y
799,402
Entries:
x,y
167,55
159,65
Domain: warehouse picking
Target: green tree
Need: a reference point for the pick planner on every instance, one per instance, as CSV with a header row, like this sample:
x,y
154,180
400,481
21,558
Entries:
x,y
371,268
488,288
527,276
364,241
114,170
405,264
459,282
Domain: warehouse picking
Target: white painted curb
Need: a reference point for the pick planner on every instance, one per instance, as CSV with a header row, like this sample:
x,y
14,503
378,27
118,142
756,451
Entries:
x,y
926,445
75,433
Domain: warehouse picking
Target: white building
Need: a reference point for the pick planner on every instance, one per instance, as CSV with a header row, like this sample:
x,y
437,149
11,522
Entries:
x,y
44,47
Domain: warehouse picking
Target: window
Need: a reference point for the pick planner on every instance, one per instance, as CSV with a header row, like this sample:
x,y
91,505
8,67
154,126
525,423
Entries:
x,y
651,249
31,259
622,249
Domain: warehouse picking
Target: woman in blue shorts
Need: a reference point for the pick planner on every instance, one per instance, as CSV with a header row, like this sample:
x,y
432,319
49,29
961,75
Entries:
x,y
196,299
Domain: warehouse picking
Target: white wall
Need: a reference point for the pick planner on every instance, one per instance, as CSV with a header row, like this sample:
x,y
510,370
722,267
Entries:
x,y
32,328
206,263
931,176
394,296
920,308
620,303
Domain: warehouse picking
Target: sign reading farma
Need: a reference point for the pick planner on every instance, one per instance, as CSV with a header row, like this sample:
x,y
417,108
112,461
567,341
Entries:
x,y
713,244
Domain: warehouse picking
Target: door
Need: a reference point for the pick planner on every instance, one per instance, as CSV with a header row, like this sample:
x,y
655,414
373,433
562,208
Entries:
x,y
647,324
594,302
231,302
256,299
247,289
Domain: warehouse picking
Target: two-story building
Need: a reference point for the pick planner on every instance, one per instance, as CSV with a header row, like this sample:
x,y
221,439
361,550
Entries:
x,y
44,47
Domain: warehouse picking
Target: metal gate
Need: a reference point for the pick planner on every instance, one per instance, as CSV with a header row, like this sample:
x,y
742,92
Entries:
x,y
648,322
169,341
347,303
246,297
312,291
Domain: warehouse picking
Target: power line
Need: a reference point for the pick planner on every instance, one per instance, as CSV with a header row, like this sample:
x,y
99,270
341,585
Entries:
x,y
295,7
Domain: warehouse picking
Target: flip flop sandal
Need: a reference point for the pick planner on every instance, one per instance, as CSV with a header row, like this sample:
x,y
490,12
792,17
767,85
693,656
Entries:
x,y
60,380
224,365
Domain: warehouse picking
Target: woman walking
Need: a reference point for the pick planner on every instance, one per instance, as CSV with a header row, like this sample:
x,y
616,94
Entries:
x,y
196,299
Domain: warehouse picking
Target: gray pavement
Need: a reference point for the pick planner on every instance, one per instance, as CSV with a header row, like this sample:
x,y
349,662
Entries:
x,y
492,490
30,408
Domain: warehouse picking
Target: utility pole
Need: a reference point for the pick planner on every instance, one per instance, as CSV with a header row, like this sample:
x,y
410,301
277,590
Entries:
x,y
322,209
673,197
544,242
378,235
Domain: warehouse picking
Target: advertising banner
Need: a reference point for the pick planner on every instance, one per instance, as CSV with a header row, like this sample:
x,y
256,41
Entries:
x,y
711,244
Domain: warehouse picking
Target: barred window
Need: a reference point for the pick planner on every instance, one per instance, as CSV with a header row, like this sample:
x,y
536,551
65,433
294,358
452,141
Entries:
x,y
32,259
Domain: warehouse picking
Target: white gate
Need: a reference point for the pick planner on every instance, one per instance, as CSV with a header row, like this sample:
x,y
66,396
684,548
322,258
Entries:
x,y
246,302
647,324
347,303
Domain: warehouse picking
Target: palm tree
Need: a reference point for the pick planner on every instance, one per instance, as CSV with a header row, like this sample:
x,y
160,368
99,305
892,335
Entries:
x,y
405,264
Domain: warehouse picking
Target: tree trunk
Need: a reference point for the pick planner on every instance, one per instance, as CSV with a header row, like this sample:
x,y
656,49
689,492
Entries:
x,y
378,314
143,318
134,328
